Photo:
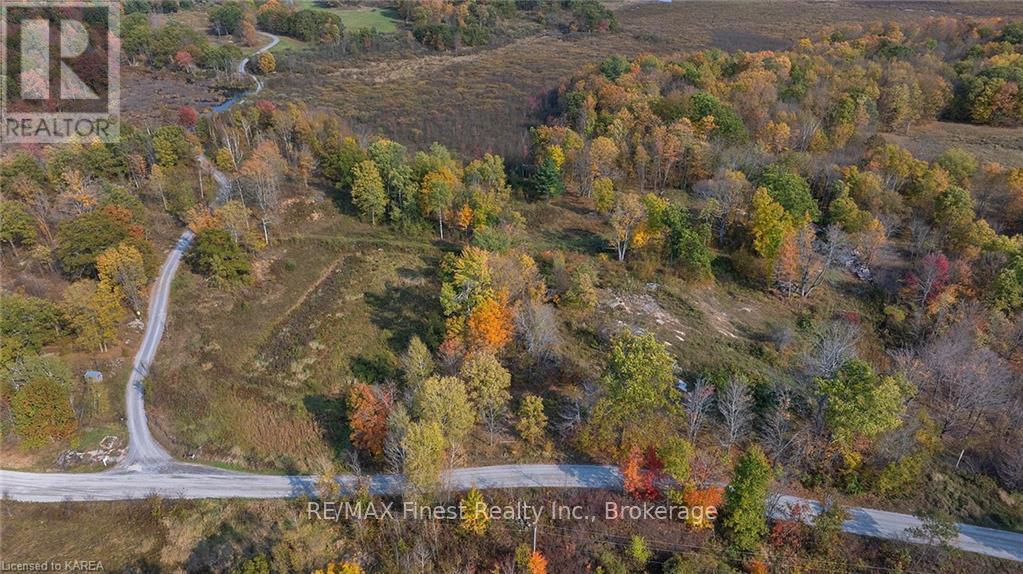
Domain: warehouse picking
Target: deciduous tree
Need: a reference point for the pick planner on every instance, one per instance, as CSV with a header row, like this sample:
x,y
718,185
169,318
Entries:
x,y
487,383
215,255
640,471
416,363
368,411
437,193
675,454
263,171
735,403
16,225
93,313
490,324
768,224
695,404
42,412
445,401
638,389
267,63
626,218
423,447
368,192
122,271
860,404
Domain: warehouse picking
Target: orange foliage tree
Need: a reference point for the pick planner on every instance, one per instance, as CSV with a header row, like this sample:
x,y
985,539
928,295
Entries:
x,y
705,498
490,324
537,563
368,408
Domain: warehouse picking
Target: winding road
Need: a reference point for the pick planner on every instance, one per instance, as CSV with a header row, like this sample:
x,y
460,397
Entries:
x,y
150,470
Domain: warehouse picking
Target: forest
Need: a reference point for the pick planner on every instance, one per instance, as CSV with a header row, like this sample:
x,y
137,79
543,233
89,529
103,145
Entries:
x,y
716,270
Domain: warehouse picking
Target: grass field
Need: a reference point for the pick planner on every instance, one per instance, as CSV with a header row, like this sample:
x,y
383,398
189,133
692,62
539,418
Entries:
x,y
287,44
385,20
338,301
987,143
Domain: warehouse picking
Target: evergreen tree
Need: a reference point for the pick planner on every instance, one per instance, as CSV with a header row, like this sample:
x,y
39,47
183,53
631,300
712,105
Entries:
x,y
743,519
548,181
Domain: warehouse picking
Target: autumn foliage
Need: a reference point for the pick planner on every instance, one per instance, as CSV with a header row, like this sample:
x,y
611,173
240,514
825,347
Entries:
x,y
368,408
490,324
640,472
705,498
537,563
187,116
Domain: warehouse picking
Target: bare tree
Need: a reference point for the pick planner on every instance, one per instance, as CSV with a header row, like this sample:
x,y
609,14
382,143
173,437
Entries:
x,y
776,429
578,405
810,260
538,328
922,238
695,403
736,407
965,377
834,345
1010,462
728,194
397,424
264,171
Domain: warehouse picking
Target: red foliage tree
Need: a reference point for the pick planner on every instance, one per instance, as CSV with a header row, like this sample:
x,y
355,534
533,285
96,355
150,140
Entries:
x,y
266,112
368,409
929,279
640,473
187,116
183,59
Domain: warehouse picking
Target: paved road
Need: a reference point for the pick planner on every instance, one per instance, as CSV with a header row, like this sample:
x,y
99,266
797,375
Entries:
x,y
150,470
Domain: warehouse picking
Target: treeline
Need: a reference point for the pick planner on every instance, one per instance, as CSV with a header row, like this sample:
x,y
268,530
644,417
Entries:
x,y
160,6
173,45
242,20
318,26
989,80
451,24
447,24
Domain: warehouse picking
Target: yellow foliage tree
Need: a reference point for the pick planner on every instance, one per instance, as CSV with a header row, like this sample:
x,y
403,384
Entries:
x,y
768,224
267,63
340,568
123,273
475,514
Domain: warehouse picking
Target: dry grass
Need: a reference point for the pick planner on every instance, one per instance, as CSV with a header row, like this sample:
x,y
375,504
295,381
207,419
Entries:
x,y
1002,145
485,99
258,382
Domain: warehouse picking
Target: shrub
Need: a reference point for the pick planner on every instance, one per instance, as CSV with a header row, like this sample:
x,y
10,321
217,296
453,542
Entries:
x,y
217,256
42,412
